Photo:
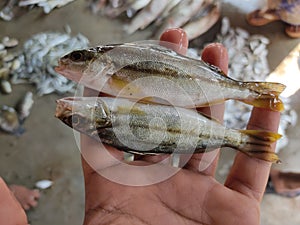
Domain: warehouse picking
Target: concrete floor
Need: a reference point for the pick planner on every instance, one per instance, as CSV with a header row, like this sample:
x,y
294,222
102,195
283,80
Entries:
x,y
47,149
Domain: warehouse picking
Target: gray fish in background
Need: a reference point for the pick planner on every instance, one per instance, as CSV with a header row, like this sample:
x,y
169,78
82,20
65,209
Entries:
x,y
47,6
205,19
9,121
39,57
153,129
180,15
12,119
24,106
146,16
159,75
158,15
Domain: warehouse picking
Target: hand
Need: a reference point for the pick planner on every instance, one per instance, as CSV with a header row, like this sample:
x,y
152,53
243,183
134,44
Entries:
x,y
11,212
190,196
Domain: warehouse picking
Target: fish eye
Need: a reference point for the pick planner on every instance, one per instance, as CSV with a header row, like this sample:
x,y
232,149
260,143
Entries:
x,y
76,119
77,56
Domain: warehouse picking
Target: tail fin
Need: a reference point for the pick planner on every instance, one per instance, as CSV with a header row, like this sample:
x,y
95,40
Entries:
x,y
268,95
267,156
262,135
257,143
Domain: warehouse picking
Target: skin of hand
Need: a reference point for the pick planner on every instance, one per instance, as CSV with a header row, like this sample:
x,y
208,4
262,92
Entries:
x,y
11,212
27,198
189,197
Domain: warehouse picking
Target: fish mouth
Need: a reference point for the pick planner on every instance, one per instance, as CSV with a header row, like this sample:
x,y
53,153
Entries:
x,y
68,73
63,107
59,68
61,65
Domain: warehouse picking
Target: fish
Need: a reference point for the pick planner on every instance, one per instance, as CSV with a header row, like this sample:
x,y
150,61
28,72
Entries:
x,y
7,12
166,12
9,121
144,128
156,74
157,14
136,6
146,16
180,15
24,106
115,8
97,6
203,22
47,6
5,86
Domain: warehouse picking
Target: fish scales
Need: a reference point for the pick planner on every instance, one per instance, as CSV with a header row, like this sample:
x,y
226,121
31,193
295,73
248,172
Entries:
x,y
147,69
153,129
178,126
177,80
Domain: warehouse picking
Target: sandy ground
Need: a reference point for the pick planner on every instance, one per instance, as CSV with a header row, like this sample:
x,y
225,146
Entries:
x,y
47,150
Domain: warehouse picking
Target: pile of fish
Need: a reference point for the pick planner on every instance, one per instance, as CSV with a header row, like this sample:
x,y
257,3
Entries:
x,y
12,118
39,57
9,10
8,63
170,85
194,16
248,61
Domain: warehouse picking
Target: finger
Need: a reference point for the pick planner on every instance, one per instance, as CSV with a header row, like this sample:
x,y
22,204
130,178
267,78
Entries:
x,y
26,207
249,175
32,203
36,193
177,37
215,54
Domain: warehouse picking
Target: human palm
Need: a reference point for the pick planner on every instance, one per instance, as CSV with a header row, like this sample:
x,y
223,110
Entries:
x,y
186,198
191,196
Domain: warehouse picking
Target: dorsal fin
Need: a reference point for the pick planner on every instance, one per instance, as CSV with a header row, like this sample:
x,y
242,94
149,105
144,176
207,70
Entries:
x,y
104,48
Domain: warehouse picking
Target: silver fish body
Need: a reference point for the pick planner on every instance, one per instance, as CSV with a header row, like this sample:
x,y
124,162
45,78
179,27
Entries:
x,y
160,75
147,128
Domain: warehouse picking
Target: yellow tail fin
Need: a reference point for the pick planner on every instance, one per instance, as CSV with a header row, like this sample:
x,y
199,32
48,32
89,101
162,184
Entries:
x,y
264,155
257,144
267,102
262,135
268,95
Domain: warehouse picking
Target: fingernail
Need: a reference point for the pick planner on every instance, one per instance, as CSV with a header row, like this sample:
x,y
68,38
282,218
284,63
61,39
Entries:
x,y
176,36
217,48
216,54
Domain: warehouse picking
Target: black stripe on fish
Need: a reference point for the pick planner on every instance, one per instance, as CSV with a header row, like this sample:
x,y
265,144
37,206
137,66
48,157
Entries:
x,y
152,68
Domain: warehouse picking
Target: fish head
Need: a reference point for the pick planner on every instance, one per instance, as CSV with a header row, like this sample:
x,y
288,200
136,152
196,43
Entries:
x,y
83,114
88,66
74,64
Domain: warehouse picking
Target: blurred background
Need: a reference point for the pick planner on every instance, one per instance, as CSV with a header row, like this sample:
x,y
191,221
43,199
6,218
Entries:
x,y
33,34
